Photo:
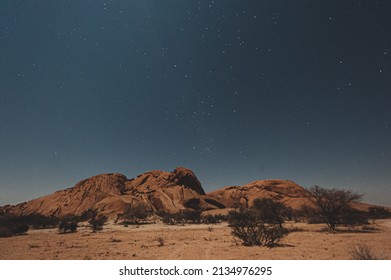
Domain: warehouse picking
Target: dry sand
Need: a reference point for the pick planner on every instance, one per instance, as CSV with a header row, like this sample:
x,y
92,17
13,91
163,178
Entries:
x,y
158,241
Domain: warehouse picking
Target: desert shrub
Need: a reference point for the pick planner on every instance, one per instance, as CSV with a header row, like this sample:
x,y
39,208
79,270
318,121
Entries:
x,y
363,252
192,216
13,225
249,235
378,213
308,214
39,221
212,219
272,234
248,226
97,222
242,217
5,232
20,229
66,226
174,218
353,217
115,240
13,230
168,218
160,240
63,227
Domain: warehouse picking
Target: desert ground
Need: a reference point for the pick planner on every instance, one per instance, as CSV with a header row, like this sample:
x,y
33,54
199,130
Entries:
x,y
203,242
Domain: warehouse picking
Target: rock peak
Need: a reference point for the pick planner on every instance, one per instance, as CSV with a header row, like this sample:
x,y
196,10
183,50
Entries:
x,y
186,177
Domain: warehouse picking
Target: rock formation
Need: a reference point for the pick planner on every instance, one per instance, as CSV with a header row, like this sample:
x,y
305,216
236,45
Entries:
x,y
111,193
158,191
284,191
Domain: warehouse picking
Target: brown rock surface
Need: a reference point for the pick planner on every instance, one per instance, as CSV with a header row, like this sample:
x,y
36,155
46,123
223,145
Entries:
x,y
285,191
174,191
110,193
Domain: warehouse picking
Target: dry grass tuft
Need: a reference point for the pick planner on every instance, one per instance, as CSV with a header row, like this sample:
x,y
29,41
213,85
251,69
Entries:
x,y
160,240
113,239
363,252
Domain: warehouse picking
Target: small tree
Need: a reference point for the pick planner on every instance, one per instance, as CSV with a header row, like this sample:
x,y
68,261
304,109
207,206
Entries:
x,y
333,204
97,222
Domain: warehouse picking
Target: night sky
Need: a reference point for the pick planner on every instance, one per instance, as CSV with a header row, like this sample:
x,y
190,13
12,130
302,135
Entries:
x,y
237,91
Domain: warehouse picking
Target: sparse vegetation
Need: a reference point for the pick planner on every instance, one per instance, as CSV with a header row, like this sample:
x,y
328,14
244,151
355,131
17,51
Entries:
x,y
334,206
160,240
20,229
115,240
255,227
135,214
271,211
190,216
378,213
96,223
199,241
5,232
13,225
213,219
67,226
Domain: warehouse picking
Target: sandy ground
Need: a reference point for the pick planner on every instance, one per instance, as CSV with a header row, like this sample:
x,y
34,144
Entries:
x,y
190,242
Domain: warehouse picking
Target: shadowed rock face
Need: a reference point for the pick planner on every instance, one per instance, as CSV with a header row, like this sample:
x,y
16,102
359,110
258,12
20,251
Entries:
x,y
111,193
186,177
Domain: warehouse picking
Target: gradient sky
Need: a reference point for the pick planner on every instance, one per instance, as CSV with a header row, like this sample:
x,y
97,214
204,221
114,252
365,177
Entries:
x,y
234,90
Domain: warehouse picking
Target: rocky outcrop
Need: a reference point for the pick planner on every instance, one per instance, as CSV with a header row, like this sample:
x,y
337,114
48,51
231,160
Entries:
x,y
111,193
284,191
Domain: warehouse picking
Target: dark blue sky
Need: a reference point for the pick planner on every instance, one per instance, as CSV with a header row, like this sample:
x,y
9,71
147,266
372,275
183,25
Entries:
x,y
234,90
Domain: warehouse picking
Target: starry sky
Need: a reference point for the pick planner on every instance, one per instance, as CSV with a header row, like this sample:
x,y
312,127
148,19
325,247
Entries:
x,y
237,91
